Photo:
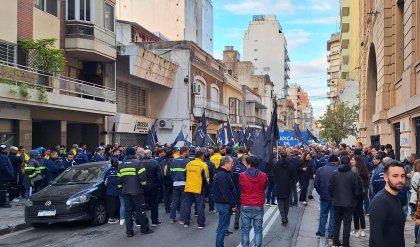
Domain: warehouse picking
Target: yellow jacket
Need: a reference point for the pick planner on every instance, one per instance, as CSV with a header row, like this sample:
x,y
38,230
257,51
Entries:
x,y
193,173
216,159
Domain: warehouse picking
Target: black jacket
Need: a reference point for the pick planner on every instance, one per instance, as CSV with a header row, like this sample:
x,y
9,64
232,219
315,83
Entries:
x,y
283,175
131,176
304,176
224,190
153,173
6,168
345,187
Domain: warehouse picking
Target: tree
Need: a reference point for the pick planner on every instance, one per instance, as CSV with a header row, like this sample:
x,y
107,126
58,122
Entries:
x,y
43,56
339,123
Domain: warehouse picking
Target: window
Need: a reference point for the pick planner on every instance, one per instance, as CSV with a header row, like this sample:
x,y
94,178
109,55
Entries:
x,y
214,94
255,49
132,99
49,6
266,68
7,53
80,10
109,17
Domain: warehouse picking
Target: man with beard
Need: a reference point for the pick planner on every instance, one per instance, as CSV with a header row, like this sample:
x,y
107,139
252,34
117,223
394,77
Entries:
x,y
386,214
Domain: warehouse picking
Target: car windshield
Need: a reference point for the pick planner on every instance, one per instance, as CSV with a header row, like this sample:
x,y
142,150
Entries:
x,y
81,175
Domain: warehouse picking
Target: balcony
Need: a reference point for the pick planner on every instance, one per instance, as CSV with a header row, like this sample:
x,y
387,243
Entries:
x,y
286,75
252,120
235,119
87,41
53,91
214,110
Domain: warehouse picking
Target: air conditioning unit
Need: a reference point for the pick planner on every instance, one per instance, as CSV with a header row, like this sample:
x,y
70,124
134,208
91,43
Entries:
x,y
165,124
196,88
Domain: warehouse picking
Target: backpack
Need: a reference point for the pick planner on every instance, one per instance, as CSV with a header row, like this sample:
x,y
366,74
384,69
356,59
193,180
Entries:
x,y
166,167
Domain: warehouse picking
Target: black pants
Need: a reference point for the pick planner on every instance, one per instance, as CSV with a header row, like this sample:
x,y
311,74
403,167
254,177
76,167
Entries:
x,y
112,204
4,201
238,211
283,204
152,196
167,194
303,183
135,203
342,214
359,216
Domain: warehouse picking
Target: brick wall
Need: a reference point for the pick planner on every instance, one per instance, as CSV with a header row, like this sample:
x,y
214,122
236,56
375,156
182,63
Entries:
x,y
25,19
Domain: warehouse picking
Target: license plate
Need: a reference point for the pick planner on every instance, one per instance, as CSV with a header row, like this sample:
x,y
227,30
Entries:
x,y
46,212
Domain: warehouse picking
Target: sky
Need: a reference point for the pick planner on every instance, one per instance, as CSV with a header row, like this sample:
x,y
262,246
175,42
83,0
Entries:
x,y
307,25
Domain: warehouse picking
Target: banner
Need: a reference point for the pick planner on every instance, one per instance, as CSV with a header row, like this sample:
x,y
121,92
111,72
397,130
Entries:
x,y
287,138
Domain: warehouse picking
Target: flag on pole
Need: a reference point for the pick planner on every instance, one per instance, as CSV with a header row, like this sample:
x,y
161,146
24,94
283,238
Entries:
x,y
272,135
296,132
222,137
230,138
201,134
180,138
311,136
151,138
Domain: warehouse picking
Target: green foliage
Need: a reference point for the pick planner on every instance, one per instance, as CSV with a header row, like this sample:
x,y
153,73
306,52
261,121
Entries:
x,y
45,57
339,123
12,89
24,90
43,95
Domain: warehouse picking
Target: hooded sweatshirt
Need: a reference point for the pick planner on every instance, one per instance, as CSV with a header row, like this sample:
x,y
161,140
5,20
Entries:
x,y
253,183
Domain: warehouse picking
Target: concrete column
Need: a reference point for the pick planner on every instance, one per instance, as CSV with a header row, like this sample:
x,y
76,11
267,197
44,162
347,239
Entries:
x,y
63,133
25,134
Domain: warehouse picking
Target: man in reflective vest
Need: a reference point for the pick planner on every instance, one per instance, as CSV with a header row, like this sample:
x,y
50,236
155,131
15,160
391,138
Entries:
x,y
131,180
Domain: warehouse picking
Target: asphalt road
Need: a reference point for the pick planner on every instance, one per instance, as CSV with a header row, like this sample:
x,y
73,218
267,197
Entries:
x,y
165,235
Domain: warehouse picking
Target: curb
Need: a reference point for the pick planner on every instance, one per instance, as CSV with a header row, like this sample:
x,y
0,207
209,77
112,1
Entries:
x,y
10,229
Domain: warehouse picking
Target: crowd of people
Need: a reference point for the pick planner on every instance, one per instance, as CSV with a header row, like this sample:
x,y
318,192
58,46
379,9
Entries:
x,y
351,182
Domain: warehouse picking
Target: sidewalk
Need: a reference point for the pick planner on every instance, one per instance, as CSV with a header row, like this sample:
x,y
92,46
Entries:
x,y
309,226
12,219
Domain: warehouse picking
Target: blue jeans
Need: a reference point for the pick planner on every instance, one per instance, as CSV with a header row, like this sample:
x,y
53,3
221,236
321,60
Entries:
x,y
271,190
178,195
255,216
224,222
122,207
326,208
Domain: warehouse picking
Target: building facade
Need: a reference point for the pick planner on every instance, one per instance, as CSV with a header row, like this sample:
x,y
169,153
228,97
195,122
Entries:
x,y
175,19
390,75
41,109
333,70
263,38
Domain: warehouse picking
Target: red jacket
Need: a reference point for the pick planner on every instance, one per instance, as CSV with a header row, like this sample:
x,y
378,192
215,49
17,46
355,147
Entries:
x,y
253,183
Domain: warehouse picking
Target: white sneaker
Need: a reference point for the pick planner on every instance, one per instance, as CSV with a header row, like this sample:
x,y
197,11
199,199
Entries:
x,y
355,234
362,233
122,222
15,200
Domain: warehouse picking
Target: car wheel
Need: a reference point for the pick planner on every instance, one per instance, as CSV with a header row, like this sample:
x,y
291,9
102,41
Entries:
x,y
39,225
99,214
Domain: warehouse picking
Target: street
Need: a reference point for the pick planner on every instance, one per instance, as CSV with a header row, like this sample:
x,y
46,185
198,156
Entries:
x,y
165,235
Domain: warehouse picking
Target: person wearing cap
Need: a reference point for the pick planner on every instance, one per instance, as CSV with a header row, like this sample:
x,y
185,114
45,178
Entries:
x,y
131,180
16,183
322,180
377,181
41,169
344,188
6,175
154,183
99,154
178,178
30,172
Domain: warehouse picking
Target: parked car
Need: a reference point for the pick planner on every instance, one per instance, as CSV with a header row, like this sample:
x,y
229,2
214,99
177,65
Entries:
x,y
77,194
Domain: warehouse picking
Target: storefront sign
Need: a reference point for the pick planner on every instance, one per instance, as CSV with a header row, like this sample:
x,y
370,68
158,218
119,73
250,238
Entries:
x,y
124,123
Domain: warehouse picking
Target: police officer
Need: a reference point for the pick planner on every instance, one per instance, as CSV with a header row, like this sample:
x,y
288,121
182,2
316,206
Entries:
x,y
131,180
6,175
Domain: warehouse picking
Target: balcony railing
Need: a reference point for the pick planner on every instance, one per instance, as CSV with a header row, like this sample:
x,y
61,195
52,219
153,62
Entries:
x,y
256,121
203,102
235,119
80,29
15,74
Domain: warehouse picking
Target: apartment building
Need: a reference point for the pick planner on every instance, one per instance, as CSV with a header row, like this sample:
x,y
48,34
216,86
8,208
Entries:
x,y
65,108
